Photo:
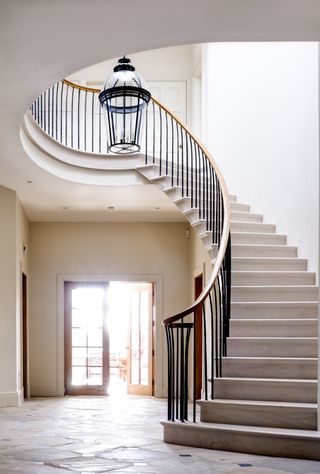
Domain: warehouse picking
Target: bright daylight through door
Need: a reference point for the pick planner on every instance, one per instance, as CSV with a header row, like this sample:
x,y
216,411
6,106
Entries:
x,y
108,338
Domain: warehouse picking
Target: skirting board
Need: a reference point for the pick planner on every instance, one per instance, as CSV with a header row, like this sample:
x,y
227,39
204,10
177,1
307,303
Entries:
x,y
11,399
46,391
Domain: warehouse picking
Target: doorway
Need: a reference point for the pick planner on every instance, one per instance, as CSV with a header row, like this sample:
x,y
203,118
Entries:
x,y
24,306
108,338
130,310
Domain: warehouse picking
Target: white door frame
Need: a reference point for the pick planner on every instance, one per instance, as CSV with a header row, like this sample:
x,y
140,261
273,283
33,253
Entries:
x,y
159,340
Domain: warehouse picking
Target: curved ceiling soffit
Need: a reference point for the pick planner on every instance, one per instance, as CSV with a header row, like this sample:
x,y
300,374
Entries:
x,y
76,166
52,52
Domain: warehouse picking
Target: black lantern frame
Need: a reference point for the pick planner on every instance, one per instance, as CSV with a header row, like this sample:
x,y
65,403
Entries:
x,y
124,104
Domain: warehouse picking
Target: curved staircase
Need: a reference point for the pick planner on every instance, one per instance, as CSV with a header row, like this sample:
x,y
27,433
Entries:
x,y
258,370
266,400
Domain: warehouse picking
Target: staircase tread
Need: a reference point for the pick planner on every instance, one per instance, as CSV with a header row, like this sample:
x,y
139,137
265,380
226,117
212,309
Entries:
x,y
258,234
263,245
271,359
256,379
272,259
274,272
261,403
286,338
274,286
270,303
256,430
274,320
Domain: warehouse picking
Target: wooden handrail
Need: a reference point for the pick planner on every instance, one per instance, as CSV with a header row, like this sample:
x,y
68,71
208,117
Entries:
x,y
226,206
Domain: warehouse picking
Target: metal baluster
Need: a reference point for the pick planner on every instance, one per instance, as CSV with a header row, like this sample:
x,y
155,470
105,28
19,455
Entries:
x,y
167,145
85,120
72,100
78,118
92,122
212,344
187,161
52,111
205,351
154,134
160,143
194,405
100,118
66,114
178,156
172,153
146,133
56,105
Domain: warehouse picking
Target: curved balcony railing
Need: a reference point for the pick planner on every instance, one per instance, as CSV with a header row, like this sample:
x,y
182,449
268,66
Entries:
x,y
71,115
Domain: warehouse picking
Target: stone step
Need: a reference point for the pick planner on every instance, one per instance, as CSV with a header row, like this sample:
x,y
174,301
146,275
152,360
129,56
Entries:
x,y
237,206
274,293
263,441
275,346
200,226
184,203
192,214
237,216
272,390
164,181
244,250
301,416
258,238
233,198
267,367
277,310
268,264
273,328
266,278
258,227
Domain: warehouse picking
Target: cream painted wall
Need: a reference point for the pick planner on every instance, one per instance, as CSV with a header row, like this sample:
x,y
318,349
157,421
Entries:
x,y
14,230
116,250
176,63
8,360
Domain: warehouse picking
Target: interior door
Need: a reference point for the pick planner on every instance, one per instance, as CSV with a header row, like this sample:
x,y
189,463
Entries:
x,y
86,339
140,340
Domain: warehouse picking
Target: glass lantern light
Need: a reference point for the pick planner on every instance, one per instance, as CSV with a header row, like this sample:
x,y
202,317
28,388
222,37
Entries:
x,y
124,99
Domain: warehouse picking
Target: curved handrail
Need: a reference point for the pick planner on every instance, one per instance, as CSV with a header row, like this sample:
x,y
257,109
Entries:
x,y
226,204
190,167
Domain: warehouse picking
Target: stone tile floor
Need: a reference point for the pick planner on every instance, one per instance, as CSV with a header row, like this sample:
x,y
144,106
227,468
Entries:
x,y
120,434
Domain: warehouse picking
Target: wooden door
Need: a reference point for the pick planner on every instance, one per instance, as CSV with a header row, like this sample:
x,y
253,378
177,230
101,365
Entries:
x,y
140,340
25,376
86,339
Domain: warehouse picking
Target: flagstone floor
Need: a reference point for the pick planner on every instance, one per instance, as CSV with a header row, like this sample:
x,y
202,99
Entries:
x,y
120,434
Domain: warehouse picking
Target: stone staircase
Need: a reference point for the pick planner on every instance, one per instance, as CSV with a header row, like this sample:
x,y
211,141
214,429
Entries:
x,y
266,401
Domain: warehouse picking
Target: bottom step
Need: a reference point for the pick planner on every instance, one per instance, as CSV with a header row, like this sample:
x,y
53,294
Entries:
x,y
301,444
301,416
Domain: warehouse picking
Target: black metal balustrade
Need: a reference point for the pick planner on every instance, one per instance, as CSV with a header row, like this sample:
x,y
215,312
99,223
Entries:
x,y
71,115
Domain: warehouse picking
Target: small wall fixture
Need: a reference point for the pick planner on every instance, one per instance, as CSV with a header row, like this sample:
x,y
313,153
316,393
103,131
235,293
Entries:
x,y
124,99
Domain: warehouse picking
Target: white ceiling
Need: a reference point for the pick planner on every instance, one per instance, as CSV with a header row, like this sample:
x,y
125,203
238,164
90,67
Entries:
x,y
44,41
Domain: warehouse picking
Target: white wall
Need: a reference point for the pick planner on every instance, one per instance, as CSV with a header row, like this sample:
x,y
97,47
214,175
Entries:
x,y
261,116
105,250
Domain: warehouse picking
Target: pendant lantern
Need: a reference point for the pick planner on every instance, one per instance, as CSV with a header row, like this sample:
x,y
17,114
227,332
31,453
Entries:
x,y
124,99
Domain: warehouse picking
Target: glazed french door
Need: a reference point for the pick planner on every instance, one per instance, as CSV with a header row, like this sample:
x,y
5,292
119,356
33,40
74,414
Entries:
x,y
140,340
86,339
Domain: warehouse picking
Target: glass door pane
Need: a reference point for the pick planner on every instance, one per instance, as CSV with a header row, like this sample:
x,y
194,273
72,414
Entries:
x,y
140,340
86,339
